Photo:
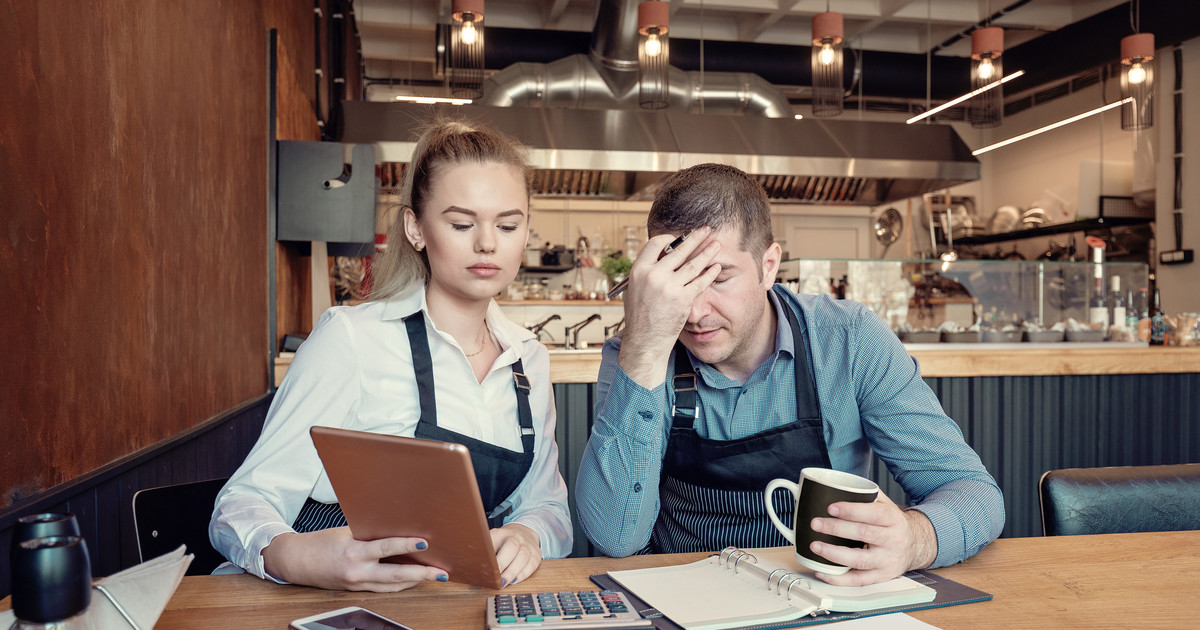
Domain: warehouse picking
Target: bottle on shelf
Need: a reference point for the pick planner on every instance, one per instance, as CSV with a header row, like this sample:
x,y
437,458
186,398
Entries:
x,y
1141,307
1131,312
1158,322
1097,308
1116,303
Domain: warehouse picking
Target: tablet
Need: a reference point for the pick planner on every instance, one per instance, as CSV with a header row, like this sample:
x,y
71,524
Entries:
x,y
398,486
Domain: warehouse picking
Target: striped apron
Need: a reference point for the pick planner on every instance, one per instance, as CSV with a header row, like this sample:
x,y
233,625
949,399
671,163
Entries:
x,y
711,491
498,471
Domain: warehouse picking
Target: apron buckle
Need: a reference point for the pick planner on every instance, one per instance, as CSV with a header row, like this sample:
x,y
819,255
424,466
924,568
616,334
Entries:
x,y
685,382
522,381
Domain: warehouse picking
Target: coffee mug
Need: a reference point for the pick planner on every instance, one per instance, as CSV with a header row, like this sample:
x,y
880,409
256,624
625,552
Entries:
x,y
818,488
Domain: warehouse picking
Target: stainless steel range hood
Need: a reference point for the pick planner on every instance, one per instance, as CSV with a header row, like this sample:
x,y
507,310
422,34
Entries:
x,y
623,154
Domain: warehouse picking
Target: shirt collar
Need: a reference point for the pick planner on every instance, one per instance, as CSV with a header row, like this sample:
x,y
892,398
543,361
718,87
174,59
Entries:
x,y
506,331
784,340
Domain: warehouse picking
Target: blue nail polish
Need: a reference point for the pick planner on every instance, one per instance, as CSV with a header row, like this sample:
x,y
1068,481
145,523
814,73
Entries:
x,y
442,577
422,545
503,582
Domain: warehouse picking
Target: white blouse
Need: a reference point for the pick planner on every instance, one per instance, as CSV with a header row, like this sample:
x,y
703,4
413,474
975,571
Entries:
x,y
355,371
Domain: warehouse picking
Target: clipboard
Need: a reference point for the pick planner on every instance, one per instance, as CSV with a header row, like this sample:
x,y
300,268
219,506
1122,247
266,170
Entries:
x,y
949,593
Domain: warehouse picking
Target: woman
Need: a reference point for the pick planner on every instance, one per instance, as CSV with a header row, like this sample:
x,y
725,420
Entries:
x,y
459,242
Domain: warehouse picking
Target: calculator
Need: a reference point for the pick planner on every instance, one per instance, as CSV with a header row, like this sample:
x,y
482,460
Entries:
x,y
567,610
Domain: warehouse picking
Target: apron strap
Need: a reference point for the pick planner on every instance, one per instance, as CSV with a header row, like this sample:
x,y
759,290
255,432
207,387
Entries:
x,y
686,409
525,417
804,380
422,365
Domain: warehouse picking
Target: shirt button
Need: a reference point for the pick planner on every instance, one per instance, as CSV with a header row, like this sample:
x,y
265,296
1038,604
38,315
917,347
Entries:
x,y
637,487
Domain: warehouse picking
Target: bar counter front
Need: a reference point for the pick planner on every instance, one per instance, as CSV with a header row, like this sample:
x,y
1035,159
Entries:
x,y
1144,580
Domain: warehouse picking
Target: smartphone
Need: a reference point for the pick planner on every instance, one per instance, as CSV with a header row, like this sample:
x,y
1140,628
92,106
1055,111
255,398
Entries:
x,y
352,618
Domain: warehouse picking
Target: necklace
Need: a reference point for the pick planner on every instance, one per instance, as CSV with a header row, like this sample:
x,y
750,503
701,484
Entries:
x,y
482,344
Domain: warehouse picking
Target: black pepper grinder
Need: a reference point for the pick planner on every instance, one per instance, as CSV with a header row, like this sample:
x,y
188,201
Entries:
x,y
51,573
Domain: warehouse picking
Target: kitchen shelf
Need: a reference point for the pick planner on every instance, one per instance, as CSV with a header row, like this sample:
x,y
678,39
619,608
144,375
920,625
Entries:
x,y
1047,230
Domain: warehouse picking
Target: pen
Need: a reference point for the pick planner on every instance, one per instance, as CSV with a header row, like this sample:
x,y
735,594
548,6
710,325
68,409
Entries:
x,y
616,290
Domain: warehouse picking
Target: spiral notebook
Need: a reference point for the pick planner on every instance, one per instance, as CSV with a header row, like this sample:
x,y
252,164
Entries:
x,y
767,588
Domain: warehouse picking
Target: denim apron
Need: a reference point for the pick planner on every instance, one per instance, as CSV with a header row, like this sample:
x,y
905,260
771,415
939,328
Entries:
x,y
498,471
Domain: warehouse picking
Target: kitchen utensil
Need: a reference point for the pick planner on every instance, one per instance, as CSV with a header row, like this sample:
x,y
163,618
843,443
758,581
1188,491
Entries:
x,y
1004,219
887,228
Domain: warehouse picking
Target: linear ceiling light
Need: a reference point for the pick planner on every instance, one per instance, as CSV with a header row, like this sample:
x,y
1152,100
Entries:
x,y
949,104
430,100
1056,125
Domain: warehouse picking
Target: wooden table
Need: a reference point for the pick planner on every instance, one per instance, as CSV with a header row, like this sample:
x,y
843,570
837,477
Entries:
x,y
1109,581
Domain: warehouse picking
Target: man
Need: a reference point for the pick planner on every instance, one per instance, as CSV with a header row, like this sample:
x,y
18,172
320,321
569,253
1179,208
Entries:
x,y
721,382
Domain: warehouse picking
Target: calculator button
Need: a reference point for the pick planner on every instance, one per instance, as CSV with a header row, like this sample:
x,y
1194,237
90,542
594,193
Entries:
x,y
506,619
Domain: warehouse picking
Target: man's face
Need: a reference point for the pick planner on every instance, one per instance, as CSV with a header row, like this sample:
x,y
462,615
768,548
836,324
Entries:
x,y
730,325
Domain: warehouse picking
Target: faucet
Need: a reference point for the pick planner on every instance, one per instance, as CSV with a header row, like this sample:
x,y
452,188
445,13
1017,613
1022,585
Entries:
x,y
536,329
614,329
571,336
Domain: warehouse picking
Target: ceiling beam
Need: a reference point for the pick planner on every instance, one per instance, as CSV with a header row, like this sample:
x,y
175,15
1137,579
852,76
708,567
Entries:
x,y
750,29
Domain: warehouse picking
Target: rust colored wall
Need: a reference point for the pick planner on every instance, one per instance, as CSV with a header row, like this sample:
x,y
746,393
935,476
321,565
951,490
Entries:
x,y
133,256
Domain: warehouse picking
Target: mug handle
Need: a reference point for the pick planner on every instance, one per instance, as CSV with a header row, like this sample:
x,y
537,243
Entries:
x,y
774,485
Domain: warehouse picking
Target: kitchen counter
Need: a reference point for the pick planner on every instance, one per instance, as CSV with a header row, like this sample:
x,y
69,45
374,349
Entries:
x,y
939,360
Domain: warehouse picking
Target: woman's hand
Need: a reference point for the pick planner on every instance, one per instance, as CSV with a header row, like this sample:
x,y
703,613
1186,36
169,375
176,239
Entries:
x,y
333,559
518,552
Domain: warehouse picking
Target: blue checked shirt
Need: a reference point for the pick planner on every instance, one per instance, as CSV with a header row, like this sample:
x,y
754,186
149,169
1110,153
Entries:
x,y
871,398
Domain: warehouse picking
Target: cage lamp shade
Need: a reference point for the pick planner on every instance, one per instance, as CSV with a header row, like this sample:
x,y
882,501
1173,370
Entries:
x,y
827,36
987,46
1137,81
465,65
653,54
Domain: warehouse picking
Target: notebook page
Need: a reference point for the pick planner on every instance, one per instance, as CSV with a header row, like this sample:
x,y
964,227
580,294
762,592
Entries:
x,y
704,596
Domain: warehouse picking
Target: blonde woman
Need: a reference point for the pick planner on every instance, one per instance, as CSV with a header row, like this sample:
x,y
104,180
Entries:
x,y
458,242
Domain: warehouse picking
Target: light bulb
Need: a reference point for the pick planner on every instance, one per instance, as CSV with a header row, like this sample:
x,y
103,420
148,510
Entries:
x,y
826,54
1137,73
653,46
468,33
985,68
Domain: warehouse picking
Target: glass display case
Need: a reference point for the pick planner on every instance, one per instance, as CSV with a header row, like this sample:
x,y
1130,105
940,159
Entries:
x,y
928,301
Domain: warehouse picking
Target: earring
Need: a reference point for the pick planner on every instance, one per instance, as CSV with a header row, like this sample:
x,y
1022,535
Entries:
x,y
419,246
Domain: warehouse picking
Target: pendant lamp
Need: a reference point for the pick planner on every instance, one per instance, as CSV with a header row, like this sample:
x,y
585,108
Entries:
x,y
654,54
466,49
987,108
827,92
1137,81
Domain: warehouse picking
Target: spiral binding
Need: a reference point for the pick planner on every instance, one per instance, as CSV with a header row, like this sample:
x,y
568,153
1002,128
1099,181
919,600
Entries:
x,y
730,557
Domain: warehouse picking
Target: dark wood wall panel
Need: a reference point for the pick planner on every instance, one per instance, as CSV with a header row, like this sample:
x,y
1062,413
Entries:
x,y
102,502
133,158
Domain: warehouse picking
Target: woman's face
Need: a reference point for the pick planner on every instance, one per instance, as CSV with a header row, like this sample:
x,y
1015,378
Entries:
x,y
474,227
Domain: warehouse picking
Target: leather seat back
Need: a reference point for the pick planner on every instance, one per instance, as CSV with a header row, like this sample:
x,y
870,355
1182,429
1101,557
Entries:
x,y
1120,499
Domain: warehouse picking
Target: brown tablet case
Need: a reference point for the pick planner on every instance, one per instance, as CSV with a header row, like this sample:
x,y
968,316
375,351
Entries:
x,y
398,486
